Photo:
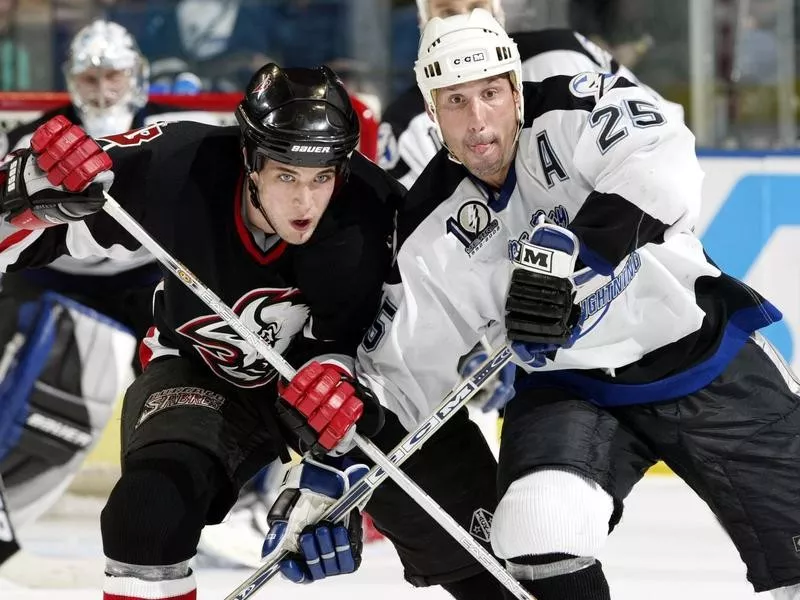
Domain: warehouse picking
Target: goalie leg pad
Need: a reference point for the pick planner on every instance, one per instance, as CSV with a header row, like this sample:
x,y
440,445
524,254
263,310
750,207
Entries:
x,y
62,367
551,512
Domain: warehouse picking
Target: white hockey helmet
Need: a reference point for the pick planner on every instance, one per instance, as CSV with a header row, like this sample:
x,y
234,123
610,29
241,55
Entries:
x,y
105,45
465,48
423,9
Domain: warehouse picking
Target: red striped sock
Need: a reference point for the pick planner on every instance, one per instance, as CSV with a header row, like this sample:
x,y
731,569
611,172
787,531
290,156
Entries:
x,y
130,588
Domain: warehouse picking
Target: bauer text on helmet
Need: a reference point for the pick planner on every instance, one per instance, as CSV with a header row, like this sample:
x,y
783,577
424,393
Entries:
x,y
428,9
107,77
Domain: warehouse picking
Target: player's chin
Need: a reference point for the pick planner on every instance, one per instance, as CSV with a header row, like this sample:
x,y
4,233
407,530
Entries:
x,y
299,231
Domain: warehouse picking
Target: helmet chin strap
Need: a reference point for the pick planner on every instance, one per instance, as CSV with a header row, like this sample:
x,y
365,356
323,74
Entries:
x,y
256,201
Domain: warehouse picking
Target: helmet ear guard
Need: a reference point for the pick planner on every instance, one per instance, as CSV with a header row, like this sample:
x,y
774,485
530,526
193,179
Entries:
x,y
462,49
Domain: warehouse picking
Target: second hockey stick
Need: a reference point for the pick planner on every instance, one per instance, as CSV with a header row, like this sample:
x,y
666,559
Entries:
x,y
455,400
279,363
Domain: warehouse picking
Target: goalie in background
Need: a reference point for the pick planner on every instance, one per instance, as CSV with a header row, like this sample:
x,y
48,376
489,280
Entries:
x,y
68,331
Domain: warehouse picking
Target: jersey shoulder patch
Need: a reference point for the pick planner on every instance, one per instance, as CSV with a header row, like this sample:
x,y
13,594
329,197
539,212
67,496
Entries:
x,y
591,85
137,137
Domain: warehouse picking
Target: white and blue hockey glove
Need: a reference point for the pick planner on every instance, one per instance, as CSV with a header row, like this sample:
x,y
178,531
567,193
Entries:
x,y
318,549
541,315
495,394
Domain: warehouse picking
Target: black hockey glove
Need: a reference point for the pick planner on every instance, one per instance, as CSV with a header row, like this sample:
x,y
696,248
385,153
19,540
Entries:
x,y
59,179
540,309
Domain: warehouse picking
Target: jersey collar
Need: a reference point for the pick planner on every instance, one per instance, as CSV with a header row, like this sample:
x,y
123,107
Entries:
x,y
263,257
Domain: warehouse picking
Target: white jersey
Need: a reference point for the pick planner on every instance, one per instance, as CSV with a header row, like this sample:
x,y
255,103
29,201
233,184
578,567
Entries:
x,y
596,155
407,140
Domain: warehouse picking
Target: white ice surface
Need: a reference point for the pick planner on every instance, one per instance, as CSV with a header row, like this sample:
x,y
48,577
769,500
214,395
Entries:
x,y
668,546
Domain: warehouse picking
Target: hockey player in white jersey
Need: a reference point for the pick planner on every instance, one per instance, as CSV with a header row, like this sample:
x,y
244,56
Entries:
x,y
407,138
559,217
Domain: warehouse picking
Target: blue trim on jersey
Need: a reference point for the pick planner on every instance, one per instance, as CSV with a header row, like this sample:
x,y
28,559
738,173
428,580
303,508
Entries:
x,y
500,200
594,261
603,393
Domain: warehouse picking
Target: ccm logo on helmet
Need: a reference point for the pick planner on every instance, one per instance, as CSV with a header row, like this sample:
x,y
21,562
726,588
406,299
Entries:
x,y
318,149
469,59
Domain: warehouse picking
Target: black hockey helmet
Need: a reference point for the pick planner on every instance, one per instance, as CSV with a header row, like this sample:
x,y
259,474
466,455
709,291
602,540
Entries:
x,y
297,116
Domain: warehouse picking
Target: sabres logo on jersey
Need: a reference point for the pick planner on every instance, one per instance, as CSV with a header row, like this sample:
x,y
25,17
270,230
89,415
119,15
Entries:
x,y
272,313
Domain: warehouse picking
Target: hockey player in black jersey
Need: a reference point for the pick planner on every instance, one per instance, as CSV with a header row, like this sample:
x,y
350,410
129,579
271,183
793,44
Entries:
x,y
293,230
559,217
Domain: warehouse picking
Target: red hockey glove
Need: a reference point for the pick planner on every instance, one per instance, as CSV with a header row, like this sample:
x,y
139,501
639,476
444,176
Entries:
x,y
322,405
49,183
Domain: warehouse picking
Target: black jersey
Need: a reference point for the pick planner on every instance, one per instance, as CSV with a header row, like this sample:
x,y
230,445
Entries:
x,y
183,183
20,136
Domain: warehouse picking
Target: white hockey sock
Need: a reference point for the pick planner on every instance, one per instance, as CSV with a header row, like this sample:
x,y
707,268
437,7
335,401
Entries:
x,y
131,588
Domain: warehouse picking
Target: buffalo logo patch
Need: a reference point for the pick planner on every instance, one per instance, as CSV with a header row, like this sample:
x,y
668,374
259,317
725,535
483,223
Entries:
x,y
274,314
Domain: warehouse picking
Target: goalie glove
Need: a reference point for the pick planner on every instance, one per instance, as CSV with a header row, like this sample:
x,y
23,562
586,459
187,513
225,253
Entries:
x,y
59,179
318,549
541,315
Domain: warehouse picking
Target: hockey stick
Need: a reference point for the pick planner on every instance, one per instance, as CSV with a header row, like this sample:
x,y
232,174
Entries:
x,y
455,400
280,364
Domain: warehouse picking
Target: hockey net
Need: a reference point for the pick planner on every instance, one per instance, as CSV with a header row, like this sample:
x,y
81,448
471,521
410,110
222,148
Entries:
x,y
101,469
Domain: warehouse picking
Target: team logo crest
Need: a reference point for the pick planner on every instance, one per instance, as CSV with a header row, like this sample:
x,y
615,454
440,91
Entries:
x,y
271,313
473,225
591,85
481,525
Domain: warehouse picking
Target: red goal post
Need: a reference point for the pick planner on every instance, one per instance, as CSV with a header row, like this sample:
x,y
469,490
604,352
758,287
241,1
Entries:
x,y
17,108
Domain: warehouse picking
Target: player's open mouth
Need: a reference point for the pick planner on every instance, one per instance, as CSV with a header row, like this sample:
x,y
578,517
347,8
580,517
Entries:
x,y
301,224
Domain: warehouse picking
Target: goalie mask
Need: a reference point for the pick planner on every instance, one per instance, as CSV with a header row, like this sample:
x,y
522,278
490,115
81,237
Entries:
x,y
107,78
296,116
465,48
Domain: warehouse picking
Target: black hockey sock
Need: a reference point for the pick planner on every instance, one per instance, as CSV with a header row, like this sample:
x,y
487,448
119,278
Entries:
x,y
482,586
586,584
